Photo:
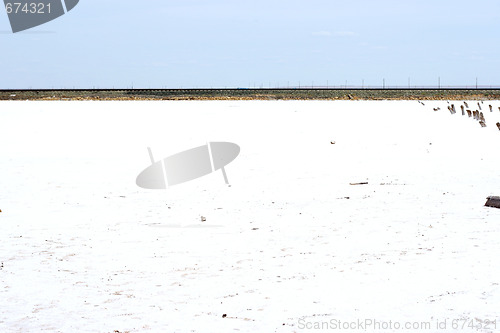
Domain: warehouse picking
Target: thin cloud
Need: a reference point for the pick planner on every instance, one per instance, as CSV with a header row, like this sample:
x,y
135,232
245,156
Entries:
x,y
345,34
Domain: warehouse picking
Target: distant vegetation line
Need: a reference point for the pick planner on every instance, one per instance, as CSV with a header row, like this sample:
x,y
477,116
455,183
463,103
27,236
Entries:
x,y
304,93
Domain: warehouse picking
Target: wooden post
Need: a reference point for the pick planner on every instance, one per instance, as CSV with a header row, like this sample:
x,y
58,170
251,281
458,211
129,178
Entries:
x,y
493,202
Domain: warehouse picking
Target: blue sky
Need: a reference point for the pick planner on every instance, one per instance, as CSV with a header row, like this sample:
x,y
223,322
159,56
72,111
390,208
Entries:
x,y
232,43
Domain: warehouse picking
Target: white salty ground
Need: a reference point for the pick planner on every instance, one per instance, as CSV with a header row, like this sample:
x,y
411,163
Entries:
x,y
290,245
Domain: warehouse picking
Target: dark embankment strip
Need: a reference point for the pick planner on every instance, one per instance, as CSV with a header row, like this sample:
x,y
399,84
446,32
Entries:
x,y
252,94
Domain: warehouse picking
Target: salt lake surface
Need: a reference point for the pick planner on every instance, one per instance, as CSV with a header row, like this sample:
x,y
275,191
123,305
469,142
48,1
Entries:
x,y
290,246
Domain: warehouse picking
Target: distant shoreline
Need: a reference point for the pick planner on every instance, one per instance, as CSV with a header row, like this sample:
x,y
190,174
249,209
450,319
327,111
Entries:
x,y
252,94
